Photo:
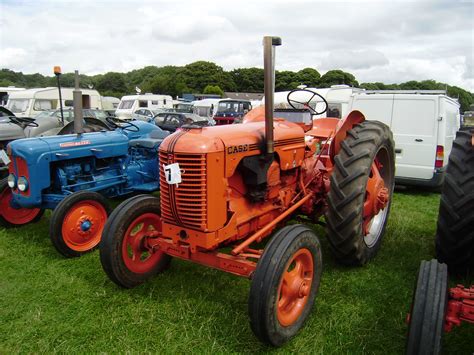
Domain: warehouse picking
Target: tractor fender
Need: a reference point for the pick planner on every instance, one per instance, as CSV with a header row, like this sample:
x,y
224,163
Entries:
x,y
353,118
335,129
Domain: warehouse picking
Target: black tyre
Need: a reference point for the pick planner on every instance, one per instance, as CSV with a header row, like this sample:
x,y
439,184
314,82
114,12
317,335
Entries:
x,y
428,309
77,223
285,284
123,252
15,217
455,232
366,156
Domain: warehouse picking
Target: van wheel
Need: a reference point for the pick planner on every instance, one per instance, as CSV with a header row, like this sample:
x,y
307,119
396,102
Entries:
x,y
361,192
455,232
428,309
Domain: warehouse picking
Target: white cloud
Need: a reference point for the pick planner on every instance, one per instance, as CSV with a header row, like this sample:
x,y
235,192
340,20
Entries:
x,y
388,41
354,59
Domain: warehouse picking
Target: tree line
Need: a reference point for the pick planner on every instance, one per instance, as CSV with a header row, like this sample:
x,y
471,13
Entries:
x,y
209,78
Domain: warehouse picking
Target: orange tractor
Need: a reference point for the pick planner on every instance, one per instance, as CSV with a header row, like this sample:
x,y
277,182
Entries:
x,y
226,188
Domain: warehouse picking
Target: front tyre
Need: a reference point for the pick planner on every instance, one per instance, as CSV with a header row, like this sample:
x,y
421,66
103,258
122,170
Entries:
x,y
285,284
15,217
361,192
77,223
124,252
428,309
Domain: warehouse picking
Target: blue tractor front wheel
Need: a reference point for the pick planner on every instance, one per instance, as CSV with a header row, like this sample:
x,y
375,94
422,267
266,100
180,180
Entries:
x,y
77,223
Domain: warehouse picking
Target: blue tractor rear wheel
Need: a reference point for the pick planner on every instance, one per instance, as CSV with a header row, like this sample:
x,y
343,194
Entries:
x,y
77,223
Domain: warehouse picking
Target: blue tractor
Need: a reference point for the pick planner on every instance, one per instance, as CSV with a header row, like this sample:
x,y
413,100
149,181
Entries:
x,y
74,175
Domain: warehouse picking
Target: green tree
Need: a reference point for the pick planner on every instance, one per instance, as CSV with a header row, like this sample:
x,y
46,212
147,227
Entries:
x,y
112,84
248,79
337,77
213,89
308,76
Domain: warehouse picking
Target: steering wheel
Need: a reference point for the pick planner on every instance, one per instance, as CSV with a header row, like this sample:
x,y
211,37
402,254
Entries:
x,y
125,125
23,121
306,104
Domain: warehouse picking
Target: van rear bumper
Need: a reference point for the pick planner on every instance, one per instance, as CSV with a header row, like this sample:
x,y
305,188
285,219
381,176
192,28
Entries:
x,y
436,181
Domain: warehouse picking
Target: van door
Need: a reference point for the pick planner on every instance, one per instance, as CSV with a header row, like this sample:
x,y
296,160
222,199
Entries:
x,y
375,107
415,130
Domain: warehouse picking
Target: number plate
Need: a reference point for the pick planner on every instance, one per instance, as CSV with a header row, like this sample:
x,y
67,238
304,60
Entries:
x,y
4,157
172,173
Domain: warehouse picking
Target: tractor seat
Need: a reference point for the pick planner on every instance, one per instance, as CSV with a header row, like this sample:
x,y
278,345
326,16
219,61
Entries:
x,y
153,140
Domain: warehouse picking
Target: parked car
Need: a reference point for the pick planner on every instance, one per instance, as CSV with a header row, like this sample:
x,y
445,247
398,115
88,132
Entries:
x,y
146,114
171,121
47,123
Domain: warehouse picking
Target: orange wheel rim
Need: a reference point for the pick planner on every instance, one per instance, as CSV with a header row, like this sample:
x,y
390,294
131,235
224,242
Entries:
x,y
13,215
295,287
136,254
83,225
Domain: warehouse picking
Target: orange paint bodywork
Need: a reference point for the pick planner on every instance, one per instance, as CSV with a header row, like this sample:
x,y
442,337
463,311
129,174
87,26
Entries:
x,y
212,208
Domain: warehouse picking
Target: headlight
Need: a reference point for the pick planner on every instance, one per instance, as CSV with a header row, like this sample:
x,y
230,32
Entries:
x,y
11,181
22,184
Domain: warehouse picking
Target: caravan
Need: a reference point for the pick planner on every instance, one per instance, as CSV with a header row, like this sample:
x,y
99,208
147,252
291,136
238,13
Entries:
x,y
423,122
30,102
130,103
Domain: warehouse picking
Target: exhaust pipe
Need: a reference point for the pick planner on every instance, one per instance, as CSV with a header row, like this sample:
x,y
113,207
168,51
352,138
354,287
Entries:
x,y
77,96
269,44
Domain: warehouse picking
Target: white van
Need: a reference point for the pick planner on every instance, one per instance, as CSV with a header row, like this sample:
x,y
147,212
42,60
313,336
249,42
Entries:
x,y
205,107
110,103
423,123
130,103
30,102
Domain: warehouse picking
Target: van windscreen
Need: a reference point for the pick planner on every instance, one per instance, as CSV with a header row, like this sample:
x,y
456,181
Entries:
x,y
18,105
126,104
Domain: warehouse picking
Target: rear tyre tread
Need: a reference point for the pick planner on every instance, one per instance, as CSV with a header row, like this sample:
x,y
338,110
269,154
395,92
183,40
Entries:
x,y
347,191
455,230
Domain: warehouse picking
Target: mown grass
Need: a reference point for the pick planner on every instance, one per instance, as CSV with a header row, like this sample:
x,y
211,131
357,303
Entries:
x,y
48,303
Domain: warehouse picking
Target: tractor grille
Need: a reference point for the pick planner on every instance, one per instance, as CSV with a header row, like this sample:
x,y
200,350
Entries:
x,y
185,204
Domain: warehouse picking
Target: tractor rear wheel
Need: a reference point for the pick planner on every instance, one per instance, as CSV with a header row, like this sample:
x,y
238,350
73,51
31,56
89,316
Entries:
x,y
124,253
15,217
77,223
455,232
428,309
360,193
285,284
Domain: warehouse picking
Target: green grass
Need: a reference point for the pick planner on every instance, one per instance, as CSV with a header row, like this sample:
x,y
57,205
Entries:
x,y
48,303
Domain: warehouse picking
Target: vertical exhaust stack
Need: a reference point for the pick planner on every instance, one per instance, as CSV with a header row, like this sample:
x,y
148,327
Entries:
x,y
77,96
269,44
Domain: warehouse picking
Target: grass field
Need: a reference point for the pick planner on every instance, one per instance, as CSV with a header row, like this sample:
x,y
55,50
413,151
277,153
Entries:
x,y
48,303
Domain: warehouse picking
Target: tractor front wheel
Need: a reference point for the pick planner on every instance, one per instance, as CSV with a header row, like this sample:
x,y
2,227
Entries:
x,y
428,309
285,284
77,223
124,253
15,217
361,192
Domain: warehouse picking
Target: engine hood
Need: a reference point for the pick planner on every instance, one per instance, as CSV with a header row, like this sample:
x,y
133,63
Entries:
x,y
55,148
219,138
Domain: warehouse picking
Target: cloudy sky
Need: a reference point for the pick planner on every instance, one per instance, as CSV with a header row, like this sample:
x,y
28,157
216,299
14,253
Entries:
x,y
388,41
